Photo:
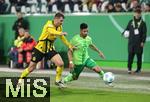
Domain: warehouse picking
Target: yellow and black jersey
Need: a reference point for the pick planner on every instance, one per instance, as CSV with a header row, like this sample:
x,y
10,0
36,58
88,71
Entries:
x,y
48,36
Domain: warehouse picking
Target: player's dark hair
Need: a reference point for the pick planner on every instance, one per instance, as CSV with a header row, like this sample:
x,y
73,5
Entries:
x,y
83,26
59,14
138,9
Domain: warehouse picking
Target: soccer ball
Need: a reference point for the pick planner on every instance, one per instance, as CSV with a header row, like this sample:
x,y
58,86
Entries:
x,y
108,77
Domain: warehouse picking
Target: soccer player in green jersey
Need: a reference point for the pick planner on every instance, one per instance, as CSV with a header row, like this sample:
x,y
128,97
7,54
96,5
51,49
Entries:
x,y
79,58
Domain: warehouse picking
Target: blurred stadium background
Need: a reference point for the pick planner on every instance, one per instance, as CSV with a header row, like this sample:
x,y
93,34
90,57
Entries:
x,y
106,19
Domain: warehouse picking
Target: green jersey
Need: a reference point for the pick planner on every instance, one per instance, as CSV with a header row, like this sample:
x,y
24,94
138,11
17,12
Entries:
x,y
80,55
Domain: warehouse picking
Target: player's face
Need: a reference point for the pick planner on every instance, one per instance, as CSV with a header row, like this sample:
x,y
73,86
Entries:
x,y
19,15
137,15
84,32
58,21
21,32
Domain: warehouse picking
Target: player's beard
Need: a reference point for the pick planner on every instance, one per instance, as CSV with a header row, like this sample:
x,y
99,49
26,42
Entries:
x,y
85,35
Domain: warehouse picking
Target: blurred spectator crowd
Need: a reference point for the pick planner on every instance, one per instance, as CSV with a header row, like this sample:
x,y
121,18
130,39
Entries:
x,y
71,6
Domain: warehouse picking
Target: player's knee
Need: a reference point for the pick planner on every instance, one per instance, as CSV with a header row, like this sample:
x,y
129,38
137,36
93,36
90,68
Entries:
x,y
60,64
32,67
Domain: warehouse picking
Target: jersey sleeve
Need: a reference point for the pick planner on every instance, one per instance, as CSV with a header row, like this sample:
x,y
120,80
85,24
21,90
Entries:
x,y
90,41
72,41
126,30
53,31
144,32
65,41
128,26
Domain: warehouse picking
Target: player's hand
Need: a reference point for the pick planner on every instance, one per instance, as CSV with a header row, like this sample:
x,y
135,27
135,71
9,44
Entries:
x,y
71,49
64,33
71,65
101,55
74,47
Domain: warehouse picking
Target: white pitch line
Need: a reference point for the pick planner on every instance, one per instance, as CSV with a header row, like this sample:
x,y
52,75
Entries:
x,y
83,74
115,23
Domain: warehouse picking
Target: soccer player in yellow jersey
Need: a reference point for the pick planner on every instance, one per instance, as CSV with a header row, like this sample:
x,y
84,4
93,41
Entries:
x,y
51,30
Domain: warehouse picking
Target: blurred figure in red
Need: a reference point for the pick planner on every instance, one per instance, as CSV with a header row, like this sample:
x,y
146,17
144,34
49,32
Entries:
x,y
26,48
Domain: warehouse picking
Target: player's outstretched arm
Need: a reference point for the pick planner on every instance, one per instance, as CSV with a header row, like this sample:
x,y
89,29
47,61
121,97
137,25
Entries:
x,y
71,65
93,47
66,42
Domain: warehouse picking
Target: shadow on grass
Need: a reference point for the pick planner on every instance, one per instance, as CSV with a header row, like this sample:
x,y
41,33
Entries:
x,y
68,91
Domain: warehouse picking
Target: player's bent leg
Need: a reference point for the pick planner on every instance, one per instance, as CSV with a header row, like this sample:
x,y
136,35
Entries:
x,y
91,64
70,77
25,73
74,74
28,70
60,64
98,70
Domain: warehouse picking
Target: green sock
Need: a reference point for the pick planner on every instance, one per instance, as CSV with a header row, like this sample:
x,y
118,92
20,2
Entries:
x,y
68,78
101,73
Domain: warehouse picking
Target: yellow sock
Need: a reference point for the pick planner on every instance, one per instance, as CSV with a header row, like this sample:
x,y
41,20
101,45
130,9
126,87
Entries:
x,y
24,73
58,73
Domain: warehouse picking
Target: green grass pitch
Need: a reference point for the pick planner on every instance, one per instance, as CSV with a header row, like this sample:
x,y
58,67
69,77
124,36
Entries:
x,y
89,95
128,88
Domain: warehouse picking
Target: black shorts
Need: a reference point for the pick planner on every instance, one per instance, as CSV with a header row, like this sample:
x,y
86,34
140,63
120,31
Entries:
x,y
38,56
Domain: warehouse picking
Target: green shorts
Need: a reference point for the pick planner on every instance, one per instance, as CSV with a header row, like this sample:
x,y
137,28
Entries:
x,y
90,63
